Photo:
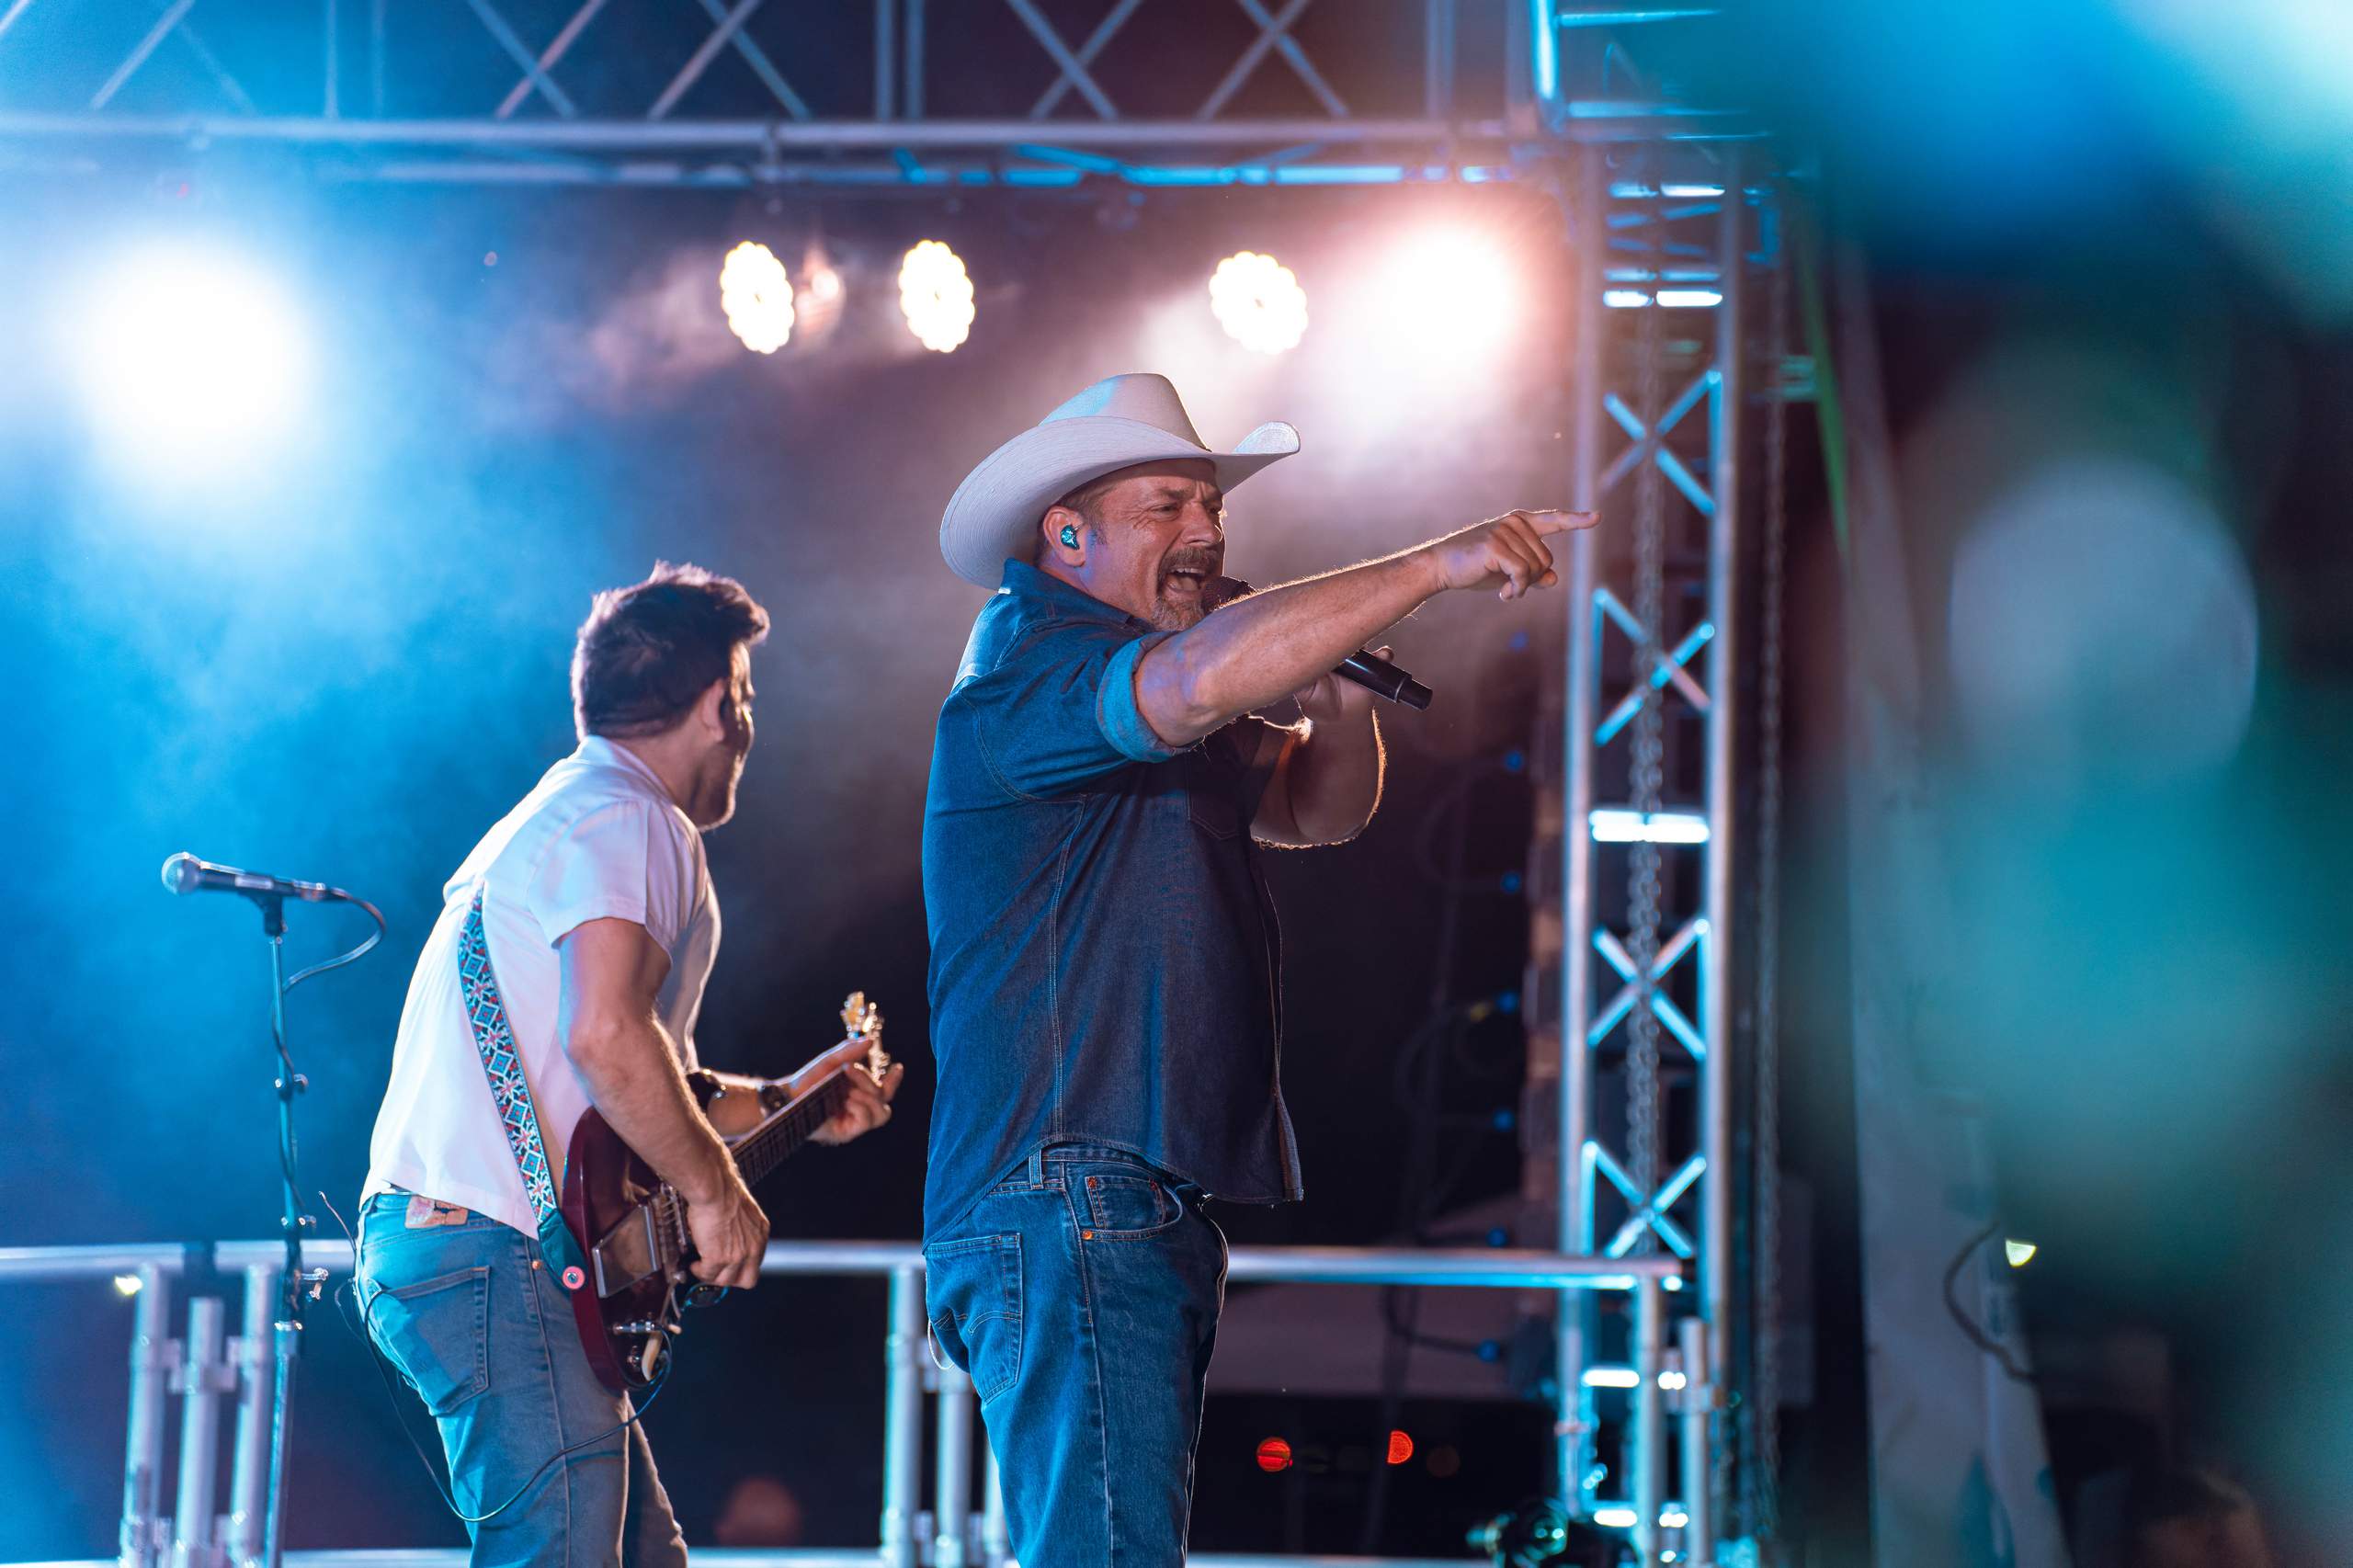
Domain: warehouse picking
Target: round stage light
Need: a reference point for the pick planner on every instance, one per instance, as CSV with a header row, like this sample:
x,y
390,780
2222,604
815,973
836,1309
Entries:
x,y
756,296
935,293
1274,1454
1258,301
819,303
1449,297
189,355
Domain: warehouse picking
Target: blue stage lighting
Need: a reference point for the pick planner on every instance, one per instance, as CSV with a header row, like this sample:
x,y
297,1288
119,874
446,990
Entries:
x,y
190,359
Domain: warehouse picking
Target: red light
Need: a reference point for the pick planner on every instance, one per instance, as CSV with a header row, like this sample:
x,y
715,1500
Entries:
x,y
1274,1454
1400,1447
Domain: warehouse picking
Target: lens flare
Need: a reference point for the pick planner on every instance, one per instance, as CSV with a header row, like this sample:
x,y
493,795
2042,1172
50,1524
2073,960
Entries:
x,y
192,356
935,293
756,296
1258,301
1449,297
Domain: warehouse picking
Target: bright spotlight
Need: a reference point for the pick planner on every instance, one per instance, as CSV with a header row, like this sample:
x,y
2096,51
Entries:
x,y
191,356
756,296
818,304
2020,1253
1258,301
935,293
1613,825
1449,296
128,1284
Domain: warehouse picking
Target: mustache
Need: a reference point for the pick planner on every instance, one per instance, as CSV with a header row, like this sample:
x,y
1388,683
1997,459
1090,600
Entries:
x,y
1205,561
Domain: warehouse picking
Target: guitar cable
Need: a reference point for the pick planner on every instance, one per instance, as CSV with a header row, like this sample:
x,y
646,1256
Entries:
x,y
386,1370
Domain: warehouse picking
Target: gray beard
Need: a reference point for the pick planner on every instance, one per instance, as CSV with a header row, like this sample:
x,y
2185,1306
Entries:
x,y
1171,617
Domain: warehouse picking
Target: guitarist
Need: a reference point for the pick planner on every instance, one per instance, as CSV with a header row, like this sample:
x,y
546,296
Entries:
x,y
594,908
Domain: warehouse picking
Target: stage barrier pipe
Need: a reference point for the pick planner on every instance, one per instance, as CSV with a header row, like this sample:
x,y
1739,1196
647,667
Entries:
x,y
951,1505
907,1343
143,1530
247,1535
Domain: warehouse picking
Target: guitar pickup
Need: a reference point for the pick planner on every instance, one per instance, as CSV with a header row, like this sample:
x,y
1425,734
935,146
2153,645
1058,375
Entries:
x,y
628,1253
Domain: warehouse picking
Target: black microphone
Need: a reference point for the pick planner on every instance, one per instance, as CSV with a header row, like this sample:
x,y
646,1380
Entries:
x,y
1369,671
186,874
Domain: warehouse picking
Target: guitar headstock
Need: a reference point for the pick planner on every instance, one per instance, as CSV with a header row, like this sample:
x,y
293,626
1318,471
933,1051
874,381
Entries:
x,y
862,1020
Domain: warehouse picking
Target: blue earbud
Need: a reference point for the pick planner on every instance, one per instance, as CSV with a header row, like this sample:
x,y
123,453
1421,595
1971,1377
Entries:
x,y
1070,537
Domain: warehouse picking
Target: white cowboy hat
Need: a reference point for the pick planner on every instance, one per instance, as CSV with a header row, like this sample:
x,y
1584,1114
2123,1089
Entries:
x,y
1117,421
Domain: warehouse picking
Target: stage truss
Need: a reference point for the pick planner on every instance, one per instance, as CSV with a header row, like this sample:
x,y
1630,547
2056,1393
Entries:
x,y
1636,1088
883,93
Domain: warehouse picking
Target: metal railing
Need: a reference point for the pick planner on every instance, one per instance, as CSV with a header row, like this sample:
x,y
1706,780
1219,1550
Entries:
x,y
203,1368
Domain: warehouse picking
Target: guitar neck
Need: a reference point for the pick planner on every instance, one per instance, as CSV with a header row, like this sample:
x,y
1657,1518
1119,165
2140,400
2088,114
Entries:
x,y
780,1137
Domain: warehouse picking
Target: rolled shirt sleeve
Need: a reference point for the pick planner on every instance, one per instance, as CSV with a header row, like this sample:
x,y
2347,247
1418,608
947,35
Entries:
x,y
1059,712
624,860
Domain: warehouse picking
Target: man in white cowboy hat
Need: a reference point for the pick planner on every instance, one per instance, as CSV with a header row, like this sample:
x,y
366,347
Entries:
x,y
1106,1002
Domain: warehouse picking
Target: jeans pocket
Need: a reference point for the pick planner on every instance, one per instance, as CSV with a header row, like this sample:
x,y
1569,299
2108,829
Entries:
x,y
436,1333
1123,1207
972,1292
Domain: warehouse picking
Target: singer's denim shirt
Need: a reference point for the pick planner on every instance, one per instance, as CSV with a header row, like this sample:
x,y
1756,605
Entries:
x,y
1105,963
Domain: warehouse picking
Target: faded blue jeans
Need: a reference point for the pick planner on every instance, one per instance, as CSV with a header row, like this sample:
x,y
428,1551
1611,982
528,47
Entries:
x,y
1083,1297
467,1310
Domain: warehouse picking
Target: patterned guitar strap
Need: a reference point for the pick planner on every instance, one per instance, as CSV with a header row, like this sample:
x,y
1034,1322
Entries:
x,y
503,1065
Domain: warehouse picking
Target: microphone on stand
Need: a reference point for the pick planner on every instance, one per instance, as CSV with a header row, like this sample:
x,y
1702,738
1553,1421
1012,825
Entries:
x,y
184,873
1369,671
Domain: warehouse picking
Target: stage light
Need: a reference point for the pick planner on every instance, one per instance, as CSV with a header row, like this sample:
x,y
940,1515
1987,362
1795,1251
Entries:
x,y
1624,299
1688,299
1401,1446
126,1284
190,359
2019,1253
818,306
935,293
1674,1519
1274,1454
1258,301
1615,1518
1612,1377
1448,296
756,296
1613,825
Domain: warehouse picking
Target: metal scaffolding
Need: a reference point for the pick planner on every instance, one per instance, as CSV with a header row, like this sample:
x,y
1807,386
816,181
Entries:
x,y
202,1368
1632,1090
888,92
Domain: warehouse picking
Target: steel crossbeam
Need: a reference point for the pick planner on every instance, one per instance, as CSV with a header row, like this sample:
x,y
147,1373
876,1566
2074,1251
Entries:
x,y
1370,121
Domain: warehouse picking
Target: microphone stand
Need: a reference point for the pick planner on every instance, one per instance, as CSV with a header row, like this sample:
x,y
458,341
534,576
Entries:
x,y
286,1330
301,1284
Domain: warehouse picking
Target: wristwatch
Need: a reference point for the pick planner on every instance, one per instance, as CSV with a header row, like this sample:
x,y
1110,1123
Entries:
x,y
773,1093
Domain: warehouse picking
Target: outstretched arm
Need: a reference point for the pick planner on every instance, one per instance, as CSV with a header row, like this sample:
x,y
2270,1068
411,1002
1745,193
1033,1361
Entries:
x,y
1271,644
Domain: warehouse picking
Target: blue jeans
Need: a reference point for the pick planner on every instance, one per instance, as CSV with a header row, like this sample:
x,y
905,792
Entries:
x,y
466,1309
1083,1297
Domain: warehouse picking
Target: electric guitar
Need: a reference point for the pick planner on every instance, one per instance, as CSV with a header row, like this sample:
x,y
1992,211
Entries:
x,y
631,1225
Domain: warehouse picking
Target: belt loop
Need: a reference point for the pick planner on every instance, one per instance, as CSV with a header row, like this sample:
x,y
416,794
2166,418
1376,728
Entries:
x,y
1038,1166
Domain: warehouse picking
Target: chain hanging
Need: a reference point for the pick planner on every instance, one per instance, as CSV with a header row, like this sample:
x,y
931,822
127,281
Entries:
x,y
1764,1474
1642,872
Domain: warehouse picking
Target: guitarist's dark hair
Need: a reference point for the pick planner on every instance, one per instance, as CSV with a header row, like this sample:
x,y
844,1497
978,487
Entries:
x,y
648,651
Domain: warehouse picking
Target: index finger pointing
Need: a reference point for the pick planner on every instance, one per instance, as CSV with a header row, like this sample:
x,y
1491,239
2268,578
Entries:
x,y
1554,522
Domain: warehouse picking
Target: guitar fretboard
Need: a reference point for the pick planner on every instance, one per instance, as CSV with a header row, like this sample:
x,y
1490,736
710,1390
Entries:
x,y
779,1138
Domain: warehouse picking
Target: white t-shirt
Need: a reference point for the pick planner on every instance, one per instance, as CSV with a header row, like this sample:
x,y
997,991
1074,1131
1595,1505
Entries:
x,y
599,837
